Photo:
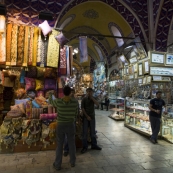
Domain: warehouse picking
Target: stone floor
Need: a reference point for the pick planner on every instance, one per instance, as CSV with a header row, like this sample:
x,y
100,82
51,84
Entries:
x,y
123,151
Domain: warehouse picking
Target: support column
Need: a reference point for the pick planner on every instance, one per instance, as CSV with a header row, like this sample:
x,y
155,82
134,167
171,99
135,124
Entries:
x,y
151,24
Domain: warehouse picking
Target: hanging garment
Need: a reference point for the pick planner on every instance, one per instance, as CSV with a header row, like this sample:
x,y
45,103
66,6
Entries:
x,y
60,88
63,62
83,49
42,53
39,44
8,44
3,48
31,46
14,44
20,45
68,60
26,46
35,46
71,59
53,50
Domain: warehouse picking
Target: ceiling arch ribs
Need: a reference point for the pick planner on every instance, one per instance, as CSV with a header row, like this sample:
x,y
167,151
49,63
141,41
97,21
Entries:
x,y
123,9
156,22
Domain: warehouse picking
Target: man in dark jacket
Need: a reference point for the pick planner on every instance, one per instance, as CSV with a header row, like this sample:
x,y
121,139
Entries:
x,y
88,110
156,109
106,103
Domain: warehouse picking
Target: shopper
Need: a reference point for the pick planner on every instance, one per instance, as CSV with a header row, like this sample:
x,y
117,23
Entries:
x,y
106,103
66,147
67,110
88,110
156,106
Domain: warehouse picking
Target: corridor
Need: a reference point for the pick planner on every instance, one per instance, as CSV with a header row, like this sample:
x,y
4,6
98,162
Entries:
x,y
123,151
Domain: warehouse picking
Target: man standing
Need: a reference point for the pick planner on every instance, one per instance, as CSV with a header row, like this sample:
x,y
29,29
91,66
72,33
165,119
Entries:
x,y
66,147
106,103
88,110
155,107
67,110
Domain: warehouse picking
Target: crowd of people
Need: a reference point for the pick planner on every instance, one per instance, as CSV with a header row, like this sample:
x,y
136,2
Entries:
x,y
68,111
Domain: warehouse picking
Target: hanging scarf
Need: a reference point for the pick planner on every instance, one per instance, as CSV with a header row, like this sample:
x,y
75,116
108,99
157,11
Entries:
x,y
39,44
68,60
2,48
53,50
8,44
26,45
42,51
63,62
14,45
20,45
71,59
34,57
60,88
31,46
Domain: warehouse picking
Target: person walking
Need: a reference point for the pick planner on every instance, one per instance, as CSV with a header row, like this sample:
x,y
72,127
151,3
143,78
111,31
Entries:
x,y
67,110
106,103
88,110
156,106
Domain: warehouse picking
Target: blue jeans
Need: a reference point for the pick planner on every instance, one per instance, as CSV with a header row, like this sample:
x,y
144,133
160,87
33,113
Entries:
x,y
62,130
66,148
155,127
90,124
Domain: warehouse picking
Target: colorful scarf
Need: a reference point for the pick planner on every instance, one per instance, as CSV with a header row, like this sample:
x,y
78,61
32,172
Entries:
x,y
20,45
2,48
63,62
35,46
71,59
26,47
68,60
14,45
42,53
31,46
39,44
8,44
53,50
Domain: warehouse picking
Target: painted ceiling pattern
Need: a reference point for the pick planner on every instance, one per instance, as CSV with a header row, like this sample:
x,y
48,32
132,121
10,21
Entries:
x,y
26,12
141,10
164,25
156,4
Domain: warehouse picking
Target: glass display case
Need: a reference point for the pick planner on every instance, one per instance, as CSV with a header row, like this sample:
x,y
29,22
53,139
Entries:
x,y
117,108
137,116
167,124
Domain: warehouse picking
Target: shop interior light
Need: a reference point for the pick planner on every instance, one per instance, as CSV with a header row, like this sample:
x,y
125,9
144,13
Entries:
x,y
76,50
130,45
2,23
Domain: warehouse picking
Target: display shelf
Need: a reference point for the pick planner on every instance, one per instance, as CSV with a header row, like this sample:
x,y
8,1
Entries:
x,y
117,118
138,129
138,109
117,110
137,118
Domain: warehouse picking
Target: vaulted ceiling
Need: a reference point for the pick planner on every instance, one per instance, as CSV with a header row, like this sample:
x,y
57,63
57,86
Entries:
x,y
151,20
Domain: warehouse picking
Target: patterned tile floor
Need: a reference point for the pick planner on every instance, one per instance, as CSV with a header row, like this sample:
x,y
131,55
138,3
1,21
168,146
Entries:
x,y
123,151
